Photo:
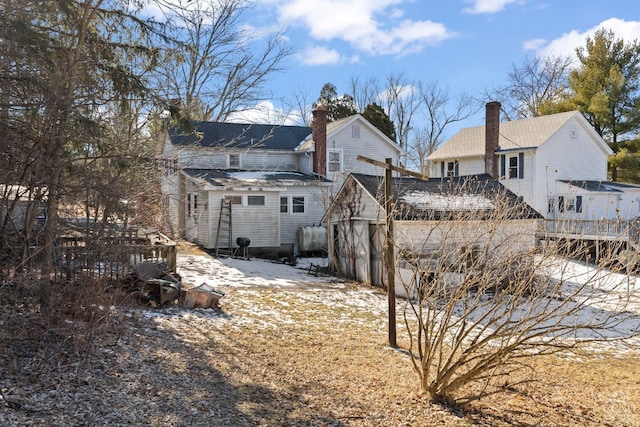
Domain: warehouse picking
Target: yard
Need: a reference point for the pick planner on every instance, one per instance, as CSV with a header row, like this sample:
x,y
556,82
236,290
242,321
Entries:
x,y
285,349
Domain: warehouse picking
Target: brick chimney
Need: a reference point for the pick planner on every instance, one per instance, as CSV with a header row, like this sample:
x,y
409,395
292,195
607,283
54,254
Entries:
x,y
319,133
491,138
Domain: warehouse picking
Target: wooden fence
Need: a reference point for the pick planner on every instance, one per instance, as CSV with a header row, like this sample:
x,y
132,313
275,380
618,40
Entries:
x,y
113,257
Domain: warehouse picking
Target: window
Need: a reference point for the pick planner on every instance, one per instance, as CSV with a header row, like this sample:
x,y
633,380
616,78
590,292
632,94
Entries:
x,y
233,199
512,166
551,205
355,131
297,204
195,205
570,204
335,161
293,204
234,160
453,169
188,205
255,200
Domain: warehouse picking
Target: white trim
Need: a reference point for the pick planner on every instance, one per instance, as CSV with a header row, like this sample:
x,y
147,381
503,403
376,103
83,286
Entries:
x,y
340,153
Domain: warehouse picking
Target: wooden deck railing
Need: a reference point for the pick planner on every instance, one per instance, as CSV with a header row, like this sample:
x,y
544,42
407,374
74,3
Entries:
x,y
591,229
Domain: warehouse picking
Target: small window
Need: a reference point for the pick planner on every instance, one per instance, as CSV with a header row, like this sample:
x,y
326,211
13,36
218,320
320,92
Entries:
x,y
452,169
233,199
284,205
255,200
297,204
551,205
234,160
188,205
355,131
570,204
335,161
560,203
513,167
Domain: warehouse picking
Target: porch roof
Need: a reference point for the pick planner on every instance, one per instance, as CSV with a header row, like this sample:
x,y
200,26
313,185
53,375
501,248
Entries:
x,y
234,177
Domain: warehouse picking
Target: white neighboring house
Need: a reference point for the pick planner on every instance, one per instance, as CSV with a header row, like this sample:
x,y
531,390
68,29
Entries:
x,y
557,163
278,179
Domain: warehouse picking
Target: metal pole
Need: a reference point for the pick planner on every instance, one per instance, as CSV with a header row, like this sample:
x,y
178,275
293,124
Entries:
x,y
391,262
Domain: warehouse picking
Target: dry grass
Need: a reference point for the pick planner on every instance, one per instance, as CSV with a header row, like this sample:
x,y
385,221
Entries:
x,y
273,357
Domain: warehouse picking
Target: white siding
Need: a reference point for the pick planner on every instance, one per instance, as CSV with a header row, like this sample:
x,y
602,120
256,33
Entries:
x,y
316,199
261,224
570,154
524,187
512,236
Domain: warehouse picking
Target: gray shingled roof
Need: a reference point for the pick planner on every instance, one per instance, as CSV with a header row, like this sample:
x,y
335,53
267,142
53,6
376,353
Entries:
x,y
437,198
237,135
226,177
516,134
601,186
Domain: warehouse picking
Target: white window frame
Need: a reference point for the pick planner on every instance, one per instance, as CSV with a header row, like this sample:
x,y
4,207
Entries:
x,y
511,167
256,196
330,162
229,162
290,206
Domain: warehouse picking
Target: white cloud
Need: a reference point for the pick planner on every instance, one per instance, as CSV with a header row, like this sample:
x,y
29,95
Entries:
x,y
319,55
372,26
266,112
488,6
566,44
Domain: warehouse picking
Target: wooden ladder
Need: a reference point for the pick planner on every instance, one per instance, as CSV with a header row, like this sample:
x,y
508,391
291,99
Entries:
x,y
223,234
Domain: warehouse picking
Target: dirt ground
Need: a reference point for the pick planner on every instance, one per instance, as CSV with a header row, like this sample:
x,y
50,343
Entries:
x,y
280,357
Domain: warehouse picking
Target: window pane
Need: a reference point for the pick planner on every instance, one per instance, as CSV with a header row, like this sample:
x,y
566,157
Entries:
x,y
513,167
234,160
297,204
284,205
255,200
234,200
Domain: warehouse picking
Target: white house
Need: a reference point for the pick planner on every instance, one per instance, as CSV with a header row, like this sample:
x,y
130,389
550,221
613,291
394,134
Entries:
x,y
557,163
269,181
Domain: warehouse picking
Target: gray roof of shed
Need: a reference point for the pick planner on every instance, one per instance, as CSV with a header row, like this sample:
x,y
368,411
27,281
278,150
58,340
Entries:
x,y
238,135
437,198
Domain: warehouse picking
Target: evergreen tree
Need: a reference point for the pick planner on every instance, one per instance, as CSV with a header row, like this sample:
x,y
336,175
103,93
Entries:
x,y
606,86
378,118
338,107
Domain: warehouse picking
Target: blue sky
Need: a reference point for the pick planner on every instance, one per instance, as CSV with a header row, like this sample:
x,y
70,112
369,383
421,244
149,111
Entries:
x,y
464,45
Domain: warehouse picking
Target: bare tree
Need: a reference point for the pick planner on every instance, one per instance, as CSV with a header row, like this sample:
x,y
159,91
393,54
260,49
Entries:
x,y
531,84
484,298
440,111
401,99
216,68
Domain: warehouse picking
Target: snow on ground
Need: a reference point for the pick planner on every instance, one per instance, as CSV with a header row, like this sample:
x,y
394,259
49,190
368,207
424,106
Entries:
x,y
244,283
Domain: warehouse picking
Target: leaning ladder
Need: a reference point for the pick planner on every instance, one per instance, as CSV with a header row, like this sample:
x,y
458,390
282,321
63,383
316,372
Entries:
x,y
223,234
